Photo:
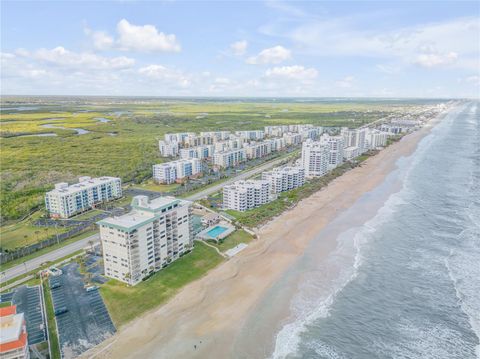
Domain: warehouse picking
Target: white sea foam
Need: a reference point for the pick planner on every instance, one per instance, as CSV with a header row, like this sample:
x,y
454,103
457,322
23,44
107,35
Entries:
x,y
314,300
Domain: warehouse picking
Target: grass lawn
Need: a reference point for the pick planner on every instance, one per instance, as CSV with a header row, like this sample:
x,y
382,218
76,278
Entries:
x,y
5,304
152,186
52,327
126,303
24,233
237,237
46,250
87,215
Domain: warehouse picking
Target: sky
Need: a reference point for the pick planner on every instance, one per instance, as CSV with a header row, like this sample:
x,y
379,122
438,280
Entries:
x,y
241,48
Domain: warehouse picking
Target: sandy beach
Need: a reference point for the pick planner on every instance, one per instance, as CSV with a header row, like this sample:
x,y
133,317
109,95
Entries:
x,y
203,320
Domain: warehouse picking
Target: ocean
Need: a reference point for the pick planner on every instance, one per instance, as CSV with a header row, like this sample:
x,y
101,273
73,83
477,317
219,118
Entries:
x,y
403,283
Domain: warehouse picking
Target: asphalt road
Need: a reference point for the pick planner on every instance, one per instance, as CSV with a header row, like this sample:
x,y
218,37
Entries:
x,y
35,263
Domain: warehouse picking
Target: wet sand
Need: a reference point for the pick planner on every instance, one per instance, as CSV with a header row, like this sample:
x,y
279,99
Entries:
x,y
204,319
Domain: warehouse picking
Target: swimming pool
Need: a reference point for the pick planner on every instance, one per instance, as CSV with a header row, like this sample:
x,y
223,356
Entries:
x,y
216,231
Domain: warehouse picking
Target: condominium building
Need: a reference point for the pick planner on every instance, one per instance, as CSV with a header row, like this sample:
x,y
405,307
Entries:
x,y
218,135
276,131
172,171
278,144
200,152
251,135
354,138
349,153
310,133
229,158
315,158
65,201
245,195
284,178
375,139
168,149
13,334
177,137
257,149
335,147
147,239
292,139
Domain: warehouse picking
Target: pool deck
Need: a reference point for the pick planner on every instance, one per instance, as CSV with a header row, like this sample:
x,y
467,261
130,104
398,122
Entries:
x,y
206,236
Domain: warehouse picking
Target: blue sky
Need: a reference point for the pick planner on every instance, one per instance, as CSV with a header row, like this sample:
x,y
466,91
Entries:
x,y
256,48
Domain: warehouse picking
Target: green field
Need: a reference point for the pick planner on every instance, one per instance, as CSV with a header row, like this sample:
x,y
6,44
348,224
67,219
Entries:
x,y
19,234
52,327
125,303
151,186
31,165
234,239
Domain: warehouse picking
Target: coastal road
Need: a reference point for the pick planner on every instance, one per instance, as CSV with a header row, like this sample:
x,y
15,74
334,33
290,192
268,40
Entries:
x,y
35,263
240,176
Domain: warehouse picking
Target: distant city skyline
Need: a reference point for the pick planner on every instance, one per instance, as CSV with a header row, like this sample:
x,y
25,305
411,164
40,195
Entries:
x,y
241,49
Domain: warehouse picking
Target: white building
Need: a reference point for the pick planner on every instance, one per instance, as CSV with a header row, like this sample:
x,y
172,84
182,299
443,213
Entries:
x,y
200,152
229,158
335,146
257,149
315,158
13,334
251,135
65,201
218,135
169,172
292,139
284,178
168,149
177,137
354,138
278,144
375,139
245,195
276,131
311,133
349,153
147,239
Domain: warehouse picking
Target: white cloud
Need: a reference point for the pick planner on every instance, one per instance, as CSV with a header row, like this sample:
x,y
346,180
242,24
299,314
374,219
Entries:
x,y
294,72
273,55
141,38
60,56
144,38
239,47
433,59
344,37
346,82
162,73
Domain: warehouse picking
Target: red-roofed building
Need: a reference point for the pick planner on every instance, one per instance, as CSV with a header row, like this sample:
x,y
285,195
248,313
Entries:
x,y
13,334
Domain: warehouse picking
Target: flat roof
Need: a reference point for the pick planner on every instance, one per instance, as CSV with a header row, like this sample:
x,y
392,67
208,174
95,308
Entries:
x,y
76,187
11,325
127,221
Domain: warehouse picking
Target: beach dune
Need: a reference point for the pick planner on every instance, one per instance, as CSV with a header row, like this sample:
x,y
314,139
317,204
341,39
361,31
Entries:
x,y
203,320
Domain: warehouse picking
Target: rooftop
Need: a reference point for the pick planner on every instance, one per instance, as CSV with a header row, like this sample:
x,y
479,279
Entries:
x,y
84,183
11,324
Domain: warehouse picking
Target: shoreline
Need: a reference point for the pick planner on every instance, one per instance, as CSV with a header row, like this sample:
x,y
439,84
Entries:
x,y
210,312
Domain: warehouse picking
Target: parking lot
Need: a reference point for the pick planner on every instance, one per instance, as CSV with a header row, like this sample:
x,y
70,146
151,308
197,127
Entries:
x,y
29,301
82,318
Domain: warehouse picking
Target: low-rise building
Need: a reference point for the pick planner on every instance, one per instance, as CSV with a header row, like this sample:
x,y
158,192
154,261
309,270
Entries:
x,y
315,158
168,149
349,153
147,239
13,334
200,152
257,149
253,135
229,158
65,201
172,171
284,178
292,139
245,195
